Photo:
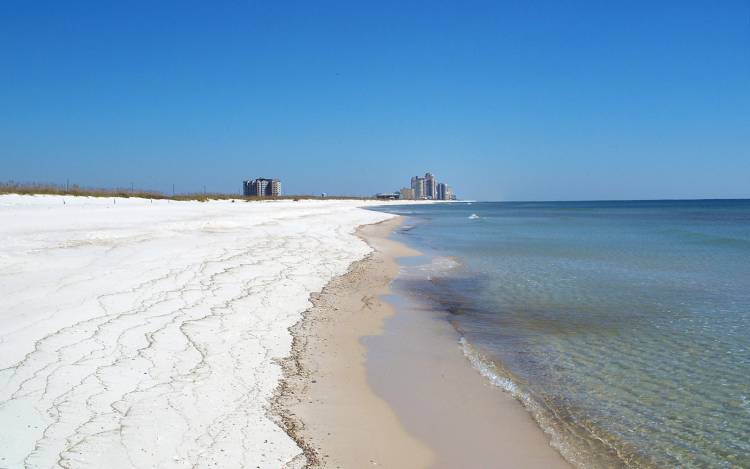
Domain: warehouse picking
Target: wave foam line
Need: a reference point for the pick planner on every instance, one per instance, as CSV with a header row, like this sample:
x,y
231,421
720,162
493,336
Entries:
x,y
538,411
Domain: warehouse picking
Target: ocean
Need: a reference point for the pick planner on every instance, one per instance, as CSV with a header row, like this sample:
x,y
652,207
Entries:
x,y
623,327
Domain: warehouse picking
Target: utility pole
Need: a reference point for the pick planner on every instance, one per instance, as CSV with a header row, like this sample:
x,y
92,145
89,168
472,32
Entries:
x,y
131,188
67,184
172,190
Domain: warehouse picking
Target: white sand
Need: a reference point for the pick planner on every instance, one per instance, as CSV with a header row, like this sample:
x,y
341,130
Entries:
x,y
145,334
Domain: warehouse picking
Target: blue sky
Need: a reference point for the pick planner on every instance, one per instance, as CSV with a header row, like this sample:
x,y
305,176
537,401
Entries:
x,y
543,100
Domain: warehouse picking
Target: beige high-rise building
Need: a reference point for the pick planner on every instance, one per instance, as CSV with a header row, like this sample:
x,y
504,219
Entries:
x,y
407,193
275,188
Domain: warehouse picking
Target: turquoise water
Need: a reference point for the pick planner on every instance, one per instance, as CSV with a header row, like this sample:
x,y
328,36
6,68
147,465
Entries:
x,y
623,327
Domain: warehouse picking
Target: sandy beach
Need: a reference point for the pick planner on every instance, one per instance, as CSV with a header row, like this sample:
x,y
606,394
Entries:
x,y
139,333
326,399
375,382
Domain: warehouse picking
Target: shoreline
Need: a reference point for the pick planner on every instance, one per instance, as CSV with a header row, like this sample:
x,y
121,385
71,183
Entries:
x,y
354,378
323,401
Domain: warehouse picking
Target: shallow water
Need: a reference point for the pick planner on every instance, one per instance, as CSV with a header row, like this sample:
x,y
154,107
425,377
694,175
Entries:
x,y
624,327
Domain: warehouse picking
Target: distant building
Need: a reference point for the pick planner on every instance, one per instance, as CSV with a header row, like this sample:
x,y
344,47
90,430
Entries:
x,y
261,187
442,189
388,196
430,186
407,193
427,187
418,185
276,187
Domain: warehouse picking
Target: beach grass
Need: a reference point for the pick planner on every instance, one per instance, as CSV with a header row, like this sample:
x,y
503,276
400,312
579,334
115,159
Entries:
x,y
33,188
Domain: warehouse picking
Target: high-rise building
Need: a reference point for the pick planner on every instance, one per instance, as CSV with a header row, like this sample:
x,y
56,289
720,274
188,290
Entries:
x,y
441,191
427,187
430,186
418,185
275,188
261,187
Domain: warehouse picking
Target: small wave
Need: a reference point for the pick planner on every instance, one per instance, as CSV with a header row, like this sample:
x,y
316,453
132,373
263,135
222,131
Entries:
x,y
440,264
488,369
498,378
473,216
402,212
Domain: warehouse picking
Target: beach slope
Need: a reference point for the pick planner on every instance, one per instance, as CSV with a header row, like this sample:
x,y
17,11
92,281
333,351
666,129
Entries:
x,y
326,401
373,382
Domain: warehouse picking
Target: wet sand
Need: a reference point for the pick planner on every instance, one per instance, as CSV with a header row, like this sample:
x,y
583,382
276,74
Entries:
x,y
417,365
374,381
325,402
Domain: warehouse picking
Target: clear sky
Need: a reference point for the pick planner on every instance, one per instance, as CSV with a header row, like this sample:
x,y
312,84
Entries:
x,y
504,100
